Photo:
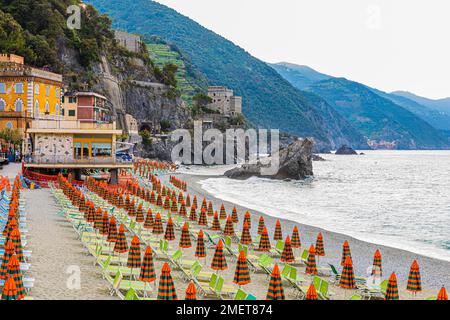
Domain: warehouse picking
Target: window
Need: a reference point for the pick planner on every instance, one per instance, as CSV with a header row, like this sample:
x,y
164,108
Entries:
x,y
2,105
36,89
18,105
36,107
72,100
101,149
47,107
57,109
57,93
19,88
47,91
71,113
9,125
2,87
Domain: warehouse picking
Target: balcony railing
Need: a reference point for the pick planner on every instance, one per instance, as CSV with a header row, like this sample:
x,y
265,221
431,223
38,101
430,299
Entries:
x,y
58,159
70,124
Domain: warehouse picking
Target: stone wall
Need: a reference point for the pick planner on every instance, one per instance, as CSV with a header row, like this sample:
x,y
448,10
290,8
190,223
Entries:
x,y
47,146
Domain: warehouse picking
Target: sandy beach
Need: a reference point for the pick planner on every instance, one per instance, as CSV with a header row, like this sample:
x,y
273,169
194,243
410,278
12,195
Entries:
x,y
435,273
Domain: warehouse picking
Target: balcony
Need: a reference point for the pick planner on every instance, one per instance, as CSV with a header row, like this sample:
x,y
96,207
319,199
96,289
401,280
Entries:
x,y
59,161
72,126
15,114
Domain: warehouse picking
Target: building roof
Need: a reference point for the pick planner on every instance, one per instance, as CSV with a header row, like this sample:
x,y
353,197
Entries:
x,y
84,94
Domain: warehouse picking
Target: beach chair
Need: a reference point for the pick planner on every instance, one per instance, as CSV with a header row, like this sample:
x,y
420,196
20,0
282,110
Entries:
x,y
279,246
222,289
212,239
303,258
132,295
250,297
323,292
208,289
240,295
356,297
265,262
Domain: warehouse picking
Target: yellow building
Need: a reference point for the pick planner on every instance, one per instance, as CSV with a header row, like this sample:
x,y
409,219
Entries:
x,y
27,93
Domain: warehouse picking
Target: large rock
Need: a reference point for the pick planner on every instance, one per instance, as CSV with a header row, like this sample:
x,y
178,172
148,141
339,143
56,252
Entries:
x,y
346,150
295,163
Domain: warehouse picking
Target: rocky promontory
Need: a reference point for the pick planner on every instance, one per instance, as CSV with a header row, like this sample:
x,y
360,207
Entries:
x,y
346,150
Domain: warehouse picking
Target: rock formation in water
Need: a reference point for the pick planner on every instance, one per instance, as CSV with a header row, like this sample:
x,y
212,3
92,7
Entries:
x,y
346,150
295,162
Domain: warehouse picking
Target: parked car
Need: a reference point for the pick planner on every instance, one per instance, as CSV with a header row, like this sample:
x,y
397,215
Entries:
x,y
124,156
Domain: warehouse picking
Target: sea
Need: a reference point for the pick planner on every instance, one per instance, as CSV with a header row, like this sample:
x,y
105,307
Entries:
x,y
399,199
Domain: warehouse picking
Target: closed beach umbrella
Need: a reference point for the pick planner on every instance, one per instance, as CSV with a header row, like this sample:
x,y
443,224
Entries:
x,y
377,269
210,209
261,225
169,235
166,288
229,228
392,289
442,295
320,250
185,240
194,202
242,273
159,200
91,213
9,291
105,224
166,203
140,214
132,209
200,251
174,207
278,235
204,205
295,241
191,292
202,220
216,223
223,213
234,215
311,294
188,200
287,254
275,291
248,219
112,230
182,211
246,238
414,282
219,262
148,223
311,267
98,219
157,226
147,273
15,272
193,214
347,280
16,240
134,254
345,252
264,242
7,254
152,197
121,245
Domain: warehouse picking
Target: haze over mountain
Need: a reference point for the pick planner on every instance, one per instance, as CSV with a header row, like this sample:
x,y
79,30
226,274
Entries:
x,y
378,115
269,101
442,105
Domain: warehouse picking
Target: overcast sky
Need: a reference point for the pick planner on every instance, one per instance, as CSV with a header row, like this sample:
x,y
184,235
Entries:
x,y
388,44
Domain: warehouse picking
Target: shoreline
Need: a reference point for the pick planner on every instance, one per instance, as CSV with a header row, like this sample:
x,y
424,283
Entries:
x,y
434,271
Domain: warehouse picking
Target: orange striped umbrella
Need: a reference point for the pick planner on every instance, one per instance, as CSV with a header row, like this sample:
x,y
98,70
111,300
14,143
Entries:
x,y
193,214
320,250
261,225
16,239
204,205
7,254
182,211
98,219
121,245
392,289
229,228
219,262
132,209
194,202
414,281
170,232
9,291
345,252
210,209
174,207
166,287
188,200
147,273
157,225
377,269
134,254
191,292
223,213
185,240
140,214
278,235
442,295
153,198
200,251
166,205
112,230
105,224
264,242
180,197
234,215
347,280
248,219
295,241
312,293
202,220
148,223
287,254
15,272
216,223
159,202
242,273
127,202
275,291
246,238
311,267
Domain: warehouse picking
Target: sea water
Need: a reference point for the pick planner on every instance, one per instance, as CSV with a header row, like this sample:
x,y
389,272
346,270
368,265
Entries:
x,y
395,198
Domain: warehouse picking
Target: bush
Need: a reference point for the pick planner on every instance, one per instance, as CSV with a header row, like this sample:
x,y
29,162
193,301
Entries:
x,y
146,137
165,125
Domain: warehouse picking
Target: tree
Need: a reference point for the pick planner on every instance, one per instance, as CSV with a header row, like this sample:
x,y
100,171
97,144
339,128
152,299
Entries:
x,y
165,125
146,137
12,136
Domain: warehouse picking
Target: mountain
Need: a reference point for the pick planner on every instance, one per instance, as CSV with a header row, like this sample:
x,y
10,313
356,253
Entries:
x,y
269,101
441,105
378,115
